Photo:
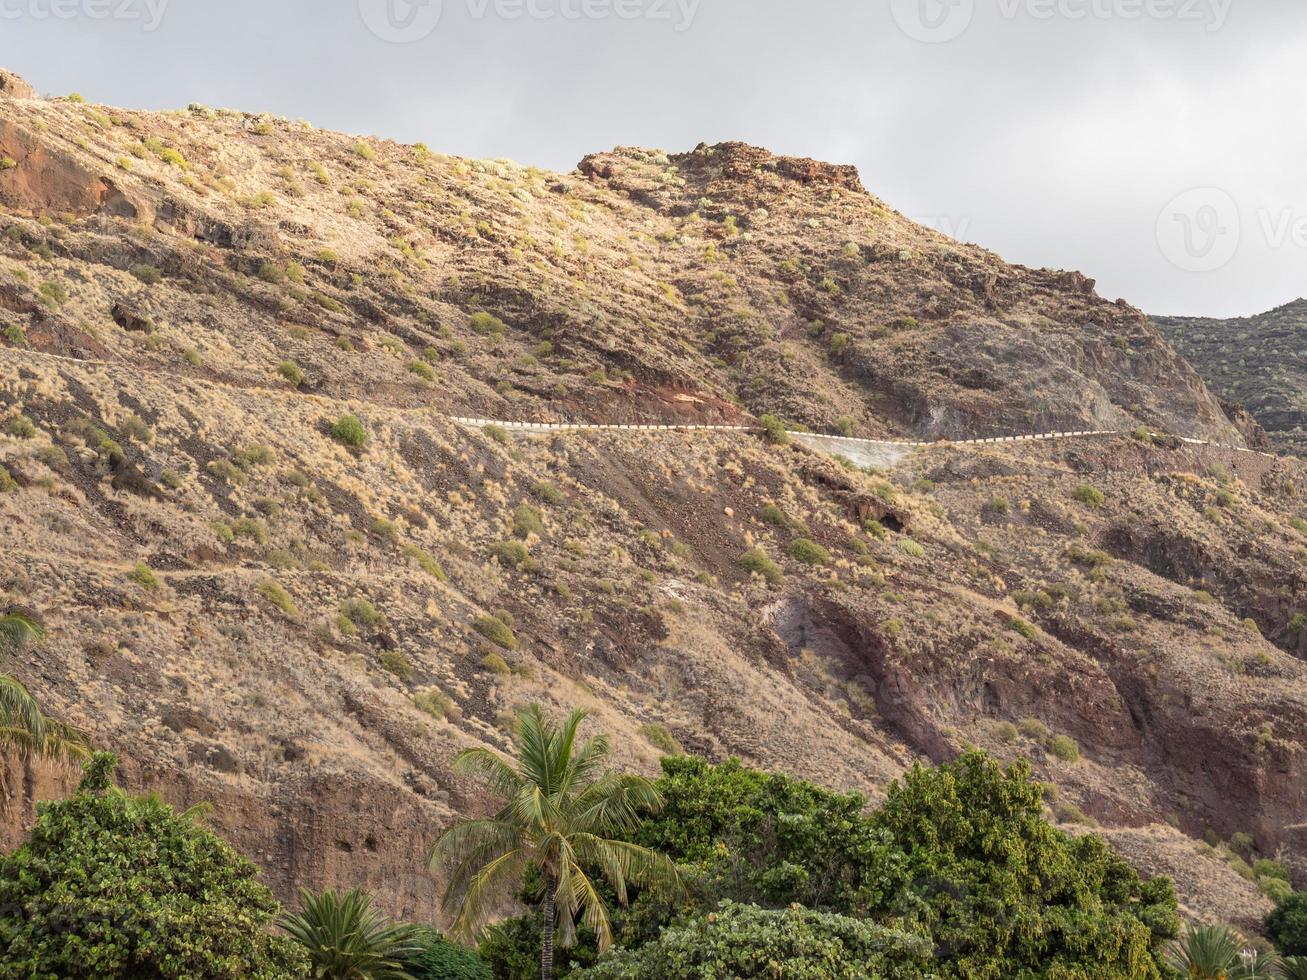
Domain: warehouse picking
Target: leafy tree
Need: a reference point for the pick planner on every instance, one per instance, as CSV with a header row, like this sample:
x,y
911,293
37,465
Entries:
x,y
746,941
347,938
24,729
437,958
563,814
1287,925
1004,894
111,886
771,840
512,949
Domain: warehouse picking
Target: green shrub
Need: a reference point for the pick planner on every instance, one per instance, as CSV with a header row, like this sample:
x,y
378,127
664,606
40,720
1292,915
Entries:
x,y
53,293
422,370
292,373
528,521
1286,926
496,432
1064,747
21,427
436,703
16,335
54,457
7,483
8,163
362,613
513,554
279,597
349,431
911,548
1089,496
773,515
808,552
144,576
548,493
365,151
148,274
117,886
496,664
1005,731
496,631
745,941
250,528
394,662
774,429
439,959
1033,728
134,429
998,506
486,324
661,738
844,425
756,561
426,562
1019,625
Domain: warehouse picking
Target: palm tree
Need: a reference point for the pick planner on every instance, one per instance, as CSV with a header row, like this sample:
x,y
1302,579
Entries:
x,y
1215,953
23,727
564,815
347,938
1294,968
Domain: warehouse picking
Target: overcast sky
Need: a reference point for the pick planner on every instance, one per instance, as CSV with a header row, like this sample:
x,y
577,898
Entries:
x,y
1157,145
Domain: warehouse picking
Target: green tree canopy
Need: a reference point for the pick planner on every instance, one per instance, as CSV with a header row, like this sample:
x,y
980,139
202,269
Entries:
x,y
1287,925
1004,894
111,886
772,840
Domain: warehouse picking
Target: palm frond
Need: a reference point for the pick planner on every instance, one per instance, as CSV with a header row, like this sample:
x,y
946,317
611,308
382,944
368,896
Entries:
x,y
25,729
487,888
17,631
625,863
615,804
489,768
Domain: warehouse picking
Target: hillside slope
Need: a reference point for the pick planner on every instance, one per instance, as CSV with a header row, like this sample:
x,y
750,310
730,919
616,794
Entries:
x,y
1258,362
305,632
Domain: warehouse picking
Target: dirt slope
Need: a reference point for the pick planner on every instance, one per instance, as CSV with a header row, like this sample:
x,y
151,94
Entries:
x,y
199,545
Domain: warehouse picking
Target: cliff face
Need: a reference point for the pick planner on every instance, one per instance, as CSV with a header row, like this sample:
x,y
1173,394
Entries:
x,y
1258,363
255,614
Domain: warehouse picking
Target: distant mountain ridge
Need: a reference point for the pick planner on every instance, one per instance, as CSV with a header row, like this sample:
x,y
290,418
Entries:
x,y
1259,362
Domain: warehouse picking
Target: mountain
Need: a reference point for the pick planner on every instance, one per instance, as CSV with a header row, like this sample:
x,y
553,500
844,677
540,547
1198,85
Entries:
x,y
1257,362
276,576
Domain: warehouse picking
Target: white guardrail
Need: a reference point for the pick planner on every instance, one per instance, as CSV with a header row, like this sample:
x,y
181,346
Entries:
x,y
886,448
852,443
